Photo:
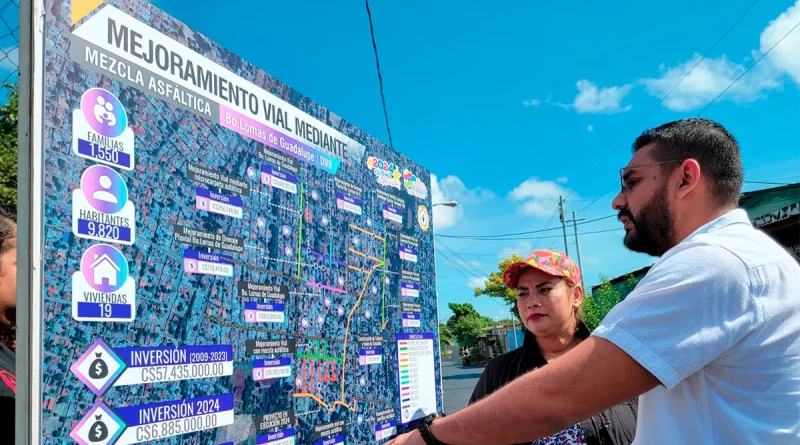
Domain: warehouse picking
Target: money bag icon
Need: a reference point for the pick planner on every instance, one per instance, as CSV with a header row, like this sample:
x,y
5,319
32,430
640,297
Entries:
x,y
98,369
98,432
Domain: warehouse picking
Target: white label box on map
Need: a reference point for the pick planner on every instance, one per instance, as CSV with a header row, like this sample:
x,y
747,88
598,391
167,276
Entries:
x,y
417,376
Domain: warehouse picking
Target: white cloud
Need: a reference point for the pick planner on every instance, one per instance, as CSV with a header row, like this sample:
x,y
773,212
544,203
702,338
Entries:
x,y
562,179
590,128
707,80
451,188
476,282
785,55
476,264
711,76
594,100
532,102
521,248
538,198
591,99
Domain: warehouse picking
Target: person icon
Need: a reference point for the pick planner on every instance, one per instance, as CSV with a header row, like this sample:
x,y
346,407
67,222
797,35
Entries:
x,y
103,112
105,195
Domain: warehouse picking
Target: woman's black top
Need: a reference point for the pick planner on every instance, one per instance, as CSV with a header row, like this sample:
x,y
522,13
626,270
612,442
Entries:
x,y
614,426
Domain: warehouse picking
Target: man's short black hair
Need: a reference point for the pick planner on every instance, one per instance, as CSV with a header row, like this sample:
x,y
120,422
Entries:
x,y
705,141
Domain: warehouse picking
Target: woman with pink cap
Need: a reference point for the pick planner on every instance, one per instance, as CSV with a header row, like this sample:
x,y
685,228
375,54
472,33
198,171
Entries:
x,y
549,300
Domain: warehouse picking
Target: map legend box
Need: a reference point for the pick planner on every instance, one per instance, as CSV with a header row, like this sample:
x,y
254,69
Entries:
x,y
417,376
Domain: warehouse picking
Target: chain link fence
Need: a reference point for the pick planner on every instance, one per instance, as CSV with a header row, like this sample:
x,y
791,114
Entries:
x,y
9,47
9,76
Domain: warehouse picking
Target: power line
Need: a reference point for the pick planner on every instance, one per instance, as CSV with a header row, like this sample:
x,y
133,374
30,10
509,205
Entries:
x,y
598,198
655,107
555,214
461,268
501,236
380,78
496,254
549,237
748,69
464,261
456,266
746,182
497,229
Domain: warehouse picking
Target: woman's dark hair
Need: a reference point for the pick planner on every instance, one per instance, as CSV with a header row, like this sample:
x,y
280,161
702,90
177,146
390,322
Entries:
x,y
8,228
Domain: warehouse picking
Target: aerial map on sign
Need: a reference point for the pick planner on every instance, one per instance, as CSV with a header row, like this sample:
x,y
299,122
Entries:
x,y
225,260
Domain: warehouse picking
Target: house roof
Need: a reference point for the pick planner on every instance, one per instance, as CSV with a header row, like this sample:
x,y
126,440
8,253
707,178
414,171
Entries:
x,y
102,258
760,203
624,277
499,326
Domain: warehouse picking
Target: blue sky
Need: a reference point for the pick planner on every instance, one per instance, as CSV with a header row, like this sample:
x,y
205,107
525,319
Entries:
x,y
511,104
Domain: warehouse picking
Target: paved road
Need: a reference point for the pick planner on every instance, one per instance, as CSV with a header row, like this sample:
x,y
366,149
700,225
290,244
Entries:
x,y
457,384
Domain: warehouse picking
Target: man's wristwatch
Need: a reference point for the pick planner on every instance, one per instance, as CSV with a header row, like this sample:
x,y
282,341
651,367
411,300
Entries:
x,y
425,431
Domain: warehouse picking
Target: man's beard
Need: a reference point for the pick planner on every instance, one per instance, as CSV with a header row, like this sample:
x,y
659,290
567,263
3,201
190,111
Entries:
x,y
653,228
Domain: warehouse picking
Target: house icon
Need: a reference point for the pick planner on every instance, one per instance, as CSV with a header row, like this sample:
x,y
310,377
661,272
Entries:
x,y
103,268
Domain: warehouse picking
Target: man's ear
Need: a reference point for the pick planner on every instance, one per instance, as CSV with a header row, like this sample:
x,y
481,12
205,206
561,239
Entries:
x,y
689,178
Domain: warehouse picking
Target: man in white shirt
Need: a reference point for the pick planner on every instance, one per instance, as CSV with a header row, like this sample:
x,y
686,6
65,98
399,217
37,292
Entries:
x,y
709,339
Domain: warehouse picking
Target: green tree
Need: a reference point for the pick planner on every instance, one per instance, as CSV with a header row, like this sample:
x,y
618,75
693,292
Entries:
x,y
595,307
602,300
495,288
445,336
466,324
8,147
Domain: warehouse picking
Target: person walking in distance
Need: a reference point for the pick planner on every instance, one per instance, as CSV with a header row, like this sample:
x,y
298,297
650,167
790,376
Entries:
x,y
710,338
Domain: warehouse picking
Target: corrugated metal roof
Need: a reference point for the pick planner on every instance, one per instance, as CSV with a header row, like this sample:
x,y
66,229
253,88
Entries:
x,y
762,202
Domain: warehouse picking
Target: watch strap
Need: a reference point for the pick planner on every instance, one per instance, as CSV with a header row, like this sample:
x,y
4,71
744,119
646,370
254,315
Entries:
x,y
425,432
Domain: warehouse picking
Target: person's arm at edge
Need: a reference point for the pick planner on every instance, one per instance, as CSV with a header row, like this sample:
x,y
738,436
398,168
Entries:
x,y
594,376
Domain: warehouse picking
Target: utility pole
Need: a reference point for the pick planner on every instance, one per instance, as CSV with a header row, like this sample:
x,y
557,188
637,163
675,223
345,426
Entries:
x,y
563,223
578,247
514,324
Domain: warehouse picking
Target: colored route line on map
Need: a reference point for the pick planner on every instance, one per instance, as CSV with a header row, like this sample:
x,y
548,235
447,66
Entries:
x,y
350,316
383,287
277,260
305,393
325,257
300,231
298,395
385,402
357,252
270,331
325,286
311,371
365,255
320,355
366,231
261,269
357,269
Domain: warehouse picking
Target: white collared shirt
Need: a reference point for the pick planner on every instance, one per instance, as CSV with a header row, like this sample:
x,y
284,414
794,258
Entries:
x,y
717,321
